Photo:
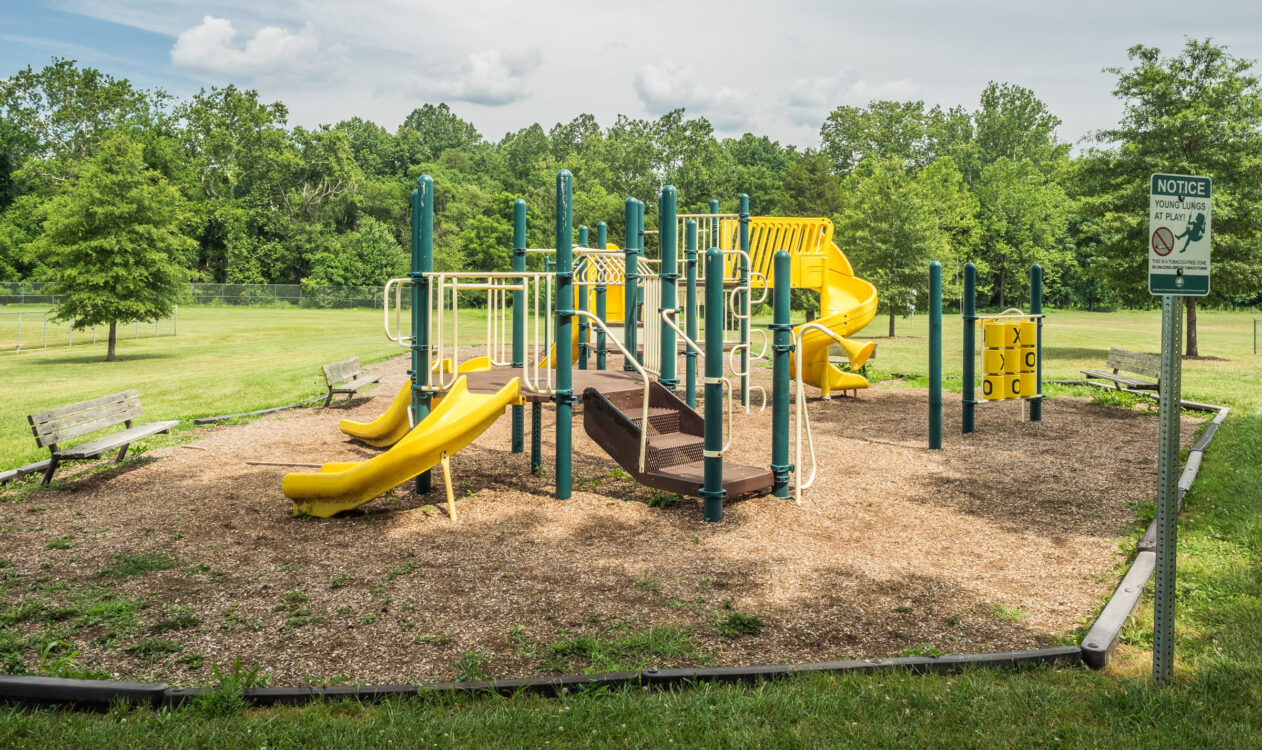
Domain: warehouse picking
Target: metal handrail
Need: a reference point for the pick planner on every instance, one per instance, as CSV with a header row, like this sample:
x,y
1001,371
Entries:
x,y
802,416
666,318
644,408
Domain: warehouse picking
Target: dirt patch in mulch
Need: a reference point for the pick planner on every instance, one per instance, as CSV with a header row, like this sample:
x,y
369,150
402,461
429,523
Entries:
x,y
1006,539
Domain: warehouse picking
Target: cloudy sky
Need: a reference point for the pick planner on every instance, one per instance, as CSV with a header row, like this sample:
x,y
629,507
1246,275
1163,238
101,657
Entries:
x,y
775,69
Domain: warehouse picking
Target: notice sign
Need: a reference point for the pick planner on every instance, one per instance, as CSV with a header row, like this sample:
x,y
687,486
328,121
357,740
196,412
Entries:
x,y
1178,235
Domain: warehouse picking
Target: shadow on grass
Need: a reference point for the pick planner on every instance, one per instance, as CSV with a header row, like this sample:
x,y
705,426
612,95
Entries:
x,y
1074,352
95,358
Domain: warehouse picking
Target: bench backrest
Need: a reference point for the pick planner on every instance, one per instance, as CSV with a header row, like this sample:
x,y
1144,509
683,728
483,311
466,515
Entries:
x,y
342,371
67,422
1148,365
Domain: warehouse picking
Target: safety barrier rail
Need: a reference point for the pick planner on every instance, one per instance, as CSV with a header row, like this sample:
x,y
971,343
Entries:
x,y
802,419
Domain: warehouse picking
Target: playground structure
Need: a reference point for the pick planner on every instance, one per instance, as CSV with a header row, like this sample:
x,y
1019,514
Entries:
x,y
633,413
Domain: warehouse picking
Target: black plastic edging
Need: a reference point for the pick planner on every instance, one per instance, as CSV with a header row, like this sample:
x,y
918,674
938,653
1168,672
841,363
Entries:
x,y
258,413
1106,631
100,694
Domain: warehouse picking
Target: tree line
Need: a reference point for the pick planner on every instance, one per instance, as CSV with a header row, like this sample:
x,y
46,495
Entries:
x,y
220,188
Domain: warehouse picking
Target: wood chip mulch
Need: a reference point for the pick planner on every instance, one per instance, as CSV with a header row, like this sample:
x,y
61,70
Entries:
x,y
1005,539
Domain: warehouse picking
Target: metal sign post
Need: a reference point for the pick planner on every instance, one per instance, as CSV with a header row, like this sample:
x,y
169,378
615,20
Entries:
x,y
1179,229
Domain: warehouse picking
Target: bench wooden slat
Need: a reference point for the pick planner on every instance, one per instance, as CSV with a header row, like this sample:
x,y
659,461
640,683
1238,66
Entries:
x,y
129,409
94,448
1133,382
1135,362
340,371
51,414
356,384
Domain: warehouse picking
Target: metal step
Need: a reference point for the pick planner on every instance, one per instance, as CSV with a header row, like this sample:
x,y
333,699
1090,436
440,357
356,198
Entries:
x,y
673,449
686,479
664,420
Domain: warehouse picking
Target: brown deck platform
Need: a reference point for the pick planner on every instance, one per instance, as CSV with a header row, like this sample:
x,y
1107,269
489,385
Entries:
x,y
605,381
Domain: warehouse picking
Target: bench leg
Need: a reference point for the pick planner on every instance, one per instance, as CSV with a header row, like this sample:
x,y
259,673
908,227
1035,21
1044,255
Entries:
x,y
328,400
48,473
122,453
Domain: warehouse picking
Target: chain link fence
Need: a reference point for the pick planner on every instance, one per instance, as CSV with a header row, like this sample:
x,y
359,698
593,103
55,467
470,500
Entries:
x,y
249,295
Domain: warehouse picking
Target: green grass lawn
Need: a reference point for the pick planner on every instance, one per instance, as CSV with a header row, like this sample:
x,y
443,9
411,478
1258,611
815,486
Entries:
x,y
236,359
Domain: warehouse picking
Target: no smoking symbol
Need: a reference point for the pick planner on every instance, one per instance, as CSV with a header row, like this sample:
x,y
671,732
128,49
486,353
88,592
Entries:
x,y
1162,241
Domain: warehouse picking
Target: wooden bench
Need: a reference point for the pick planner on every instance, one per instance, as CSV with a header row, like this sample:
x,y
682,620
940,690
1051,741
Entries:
x,y
346,377
56,426
1135,363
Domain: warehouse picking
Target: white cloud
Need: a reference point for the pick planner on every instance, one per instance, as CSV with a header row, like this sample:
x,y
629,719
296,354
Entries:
x,y
271,52
810,100
491,78
668,86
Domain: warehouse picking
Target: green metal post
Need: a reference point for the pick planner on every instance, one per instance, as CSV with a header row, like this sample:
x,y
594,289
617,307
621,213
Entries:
x,y
669,278
1170,392
712,490
969,313
565,318
580,291
422,263
1036,308
519,317
690,314
935,355
602,239
536,437
744,277
630,276
782,350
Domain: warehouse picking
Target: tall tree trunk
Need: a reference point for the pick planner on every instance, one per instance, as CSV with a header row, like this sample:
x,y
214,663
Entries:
x,y
1190,349
109,352
891,321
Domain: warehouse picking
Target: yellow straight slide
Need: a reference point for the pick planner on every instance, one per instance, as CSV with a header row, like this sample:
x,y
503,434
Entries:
x,y
392,426
452,425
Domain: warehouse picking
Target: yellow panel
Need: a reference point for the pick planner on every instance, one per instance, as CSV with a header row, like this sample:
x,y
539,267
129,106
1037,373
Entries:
x,y
1011,360
993,361
1025,335
993,387
993,334
1029,360
1012,386
1027,385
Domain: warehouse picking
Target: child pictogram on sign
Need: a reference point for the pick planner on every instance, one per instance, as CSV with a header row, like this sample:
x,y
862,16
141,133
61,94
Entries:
x,y
1194,232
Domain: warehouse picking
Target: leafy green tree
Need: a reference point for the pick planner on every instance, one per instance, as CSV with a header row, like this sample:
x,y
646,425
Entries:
x,y
367,256
1012,123
810,188
112,246
372,146
1024,218
889,231
432,130
1198,112
883,130
956,210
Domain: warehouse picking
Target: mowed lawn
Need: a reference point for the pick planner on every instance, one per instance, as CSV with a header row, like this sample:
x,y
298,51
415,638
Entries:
x,y
234,359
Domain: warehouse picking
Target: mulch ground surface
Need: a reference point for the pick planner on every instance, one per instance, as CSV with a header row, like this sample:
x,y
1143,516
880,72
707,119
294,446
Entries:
x,y
1005,539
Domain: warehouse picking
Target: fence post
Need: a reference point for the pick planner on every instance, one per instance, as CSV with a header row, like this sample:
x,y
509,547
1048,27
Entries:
x,y
630,275
565,313
422,263
667,249
602,239
690,314
969,314
712,491
581,290
519,317
935,355
782,348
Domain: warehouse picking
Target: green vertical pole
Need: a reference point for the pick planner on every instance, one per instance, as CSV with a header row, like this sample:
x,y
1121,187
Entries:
x,y
782,350
422,263
712,491
630,276
969,313
666,241
565,318
690,314
935,355
519,317
714,223
536,437
744,277
1170,396
1036,308
602,239
581,292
